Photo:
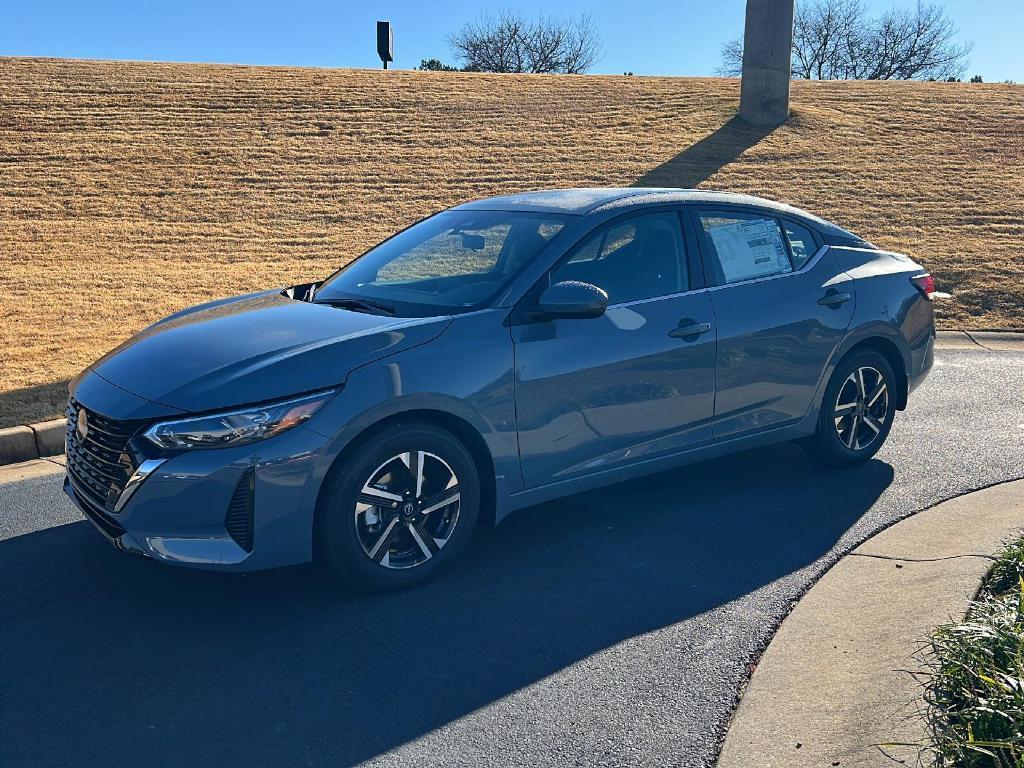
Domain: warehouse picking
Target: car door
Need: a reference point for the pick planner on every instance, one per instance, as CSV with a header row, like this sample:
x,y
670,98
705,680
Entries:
x,y
633,384
782,306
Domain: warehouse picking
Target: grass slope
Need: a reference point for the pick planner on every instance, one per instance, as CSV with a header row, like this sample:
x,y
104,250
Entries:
x,y
129,190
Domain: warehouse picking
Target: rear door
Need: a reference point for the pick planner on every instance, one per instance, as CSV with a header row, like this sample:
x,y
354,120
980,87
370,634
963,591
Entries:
x,y
782,306
633,384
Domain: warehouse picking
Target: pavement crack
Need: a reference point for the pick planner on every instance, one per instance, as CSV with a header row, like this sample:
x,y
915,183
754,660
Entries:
x,y
969,336
922,559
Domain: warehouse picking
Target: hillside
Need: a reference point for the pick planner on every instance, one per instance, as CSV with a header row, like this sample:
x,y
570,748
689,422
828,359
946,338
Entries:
x,y
129,190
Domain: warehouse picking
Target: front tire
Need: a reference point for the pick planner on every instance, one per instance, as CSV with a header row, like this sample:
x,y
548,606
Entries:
x,y
403,507
856,413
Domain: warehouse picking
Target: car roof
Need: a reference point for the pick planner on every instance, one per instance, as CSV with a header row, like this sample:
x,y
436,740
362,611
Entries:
x,y
584,200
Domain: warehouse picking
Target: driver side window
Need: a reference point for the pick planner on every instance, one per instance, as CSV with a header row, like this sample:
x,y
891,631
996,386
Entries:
x,y
642,257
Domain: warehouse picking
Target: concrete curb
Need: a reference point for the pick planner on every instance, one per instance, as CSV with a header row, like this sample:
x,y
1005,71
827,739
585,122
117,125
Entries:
x,y
32,441
998,340
17,444
993,341
46,438
837,682
49,437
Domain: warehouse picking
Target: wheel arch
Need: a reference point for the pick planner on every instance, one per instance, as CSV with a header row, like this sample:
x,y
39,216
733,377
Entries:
x,y
886,347
457,425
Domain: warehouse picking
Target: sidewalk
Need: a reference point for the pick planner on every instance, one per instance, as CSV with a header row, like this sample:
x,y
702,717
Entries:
x,y
23,470
837,678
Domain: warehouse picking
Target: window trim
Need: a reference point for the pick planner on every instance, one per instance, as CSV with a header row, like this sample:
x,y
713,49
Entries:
x,y
691,256
707,253
808,266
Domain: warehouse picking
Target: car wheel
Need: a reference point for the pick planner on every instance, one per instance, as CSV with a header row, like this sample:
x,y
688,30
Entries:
x,y
404,505
856,412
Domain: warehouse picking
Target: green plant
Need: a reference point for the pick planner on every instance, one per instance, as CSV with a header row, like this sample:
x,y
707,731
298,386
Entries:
x,y
435,65
1008,570
975,691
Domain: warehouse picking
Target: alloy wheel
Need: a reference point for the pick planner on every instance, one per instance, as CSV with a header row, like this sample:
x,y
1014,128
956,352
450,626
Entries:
x,y
407,510
862,407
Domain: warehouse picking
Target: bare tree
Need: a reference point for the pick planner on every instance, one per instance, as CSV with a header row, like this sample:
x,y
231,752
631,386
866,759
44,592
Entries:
x,y
837,40
731,64
827,34
917,43
511,42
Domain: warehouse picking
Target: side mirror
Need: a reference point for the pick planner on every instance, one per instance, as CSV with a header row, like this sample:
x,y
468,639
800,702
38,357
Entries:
x,y
570,299
304,292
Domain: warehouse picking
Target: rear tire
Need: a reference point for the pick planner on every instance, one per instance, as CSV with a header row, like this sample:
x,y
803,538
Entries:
x,y
856,412
402,508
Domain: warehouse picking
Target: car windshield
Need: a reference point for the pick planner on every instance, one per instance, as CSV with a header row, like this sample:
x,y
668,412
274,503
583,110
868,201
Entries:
x,y
453,262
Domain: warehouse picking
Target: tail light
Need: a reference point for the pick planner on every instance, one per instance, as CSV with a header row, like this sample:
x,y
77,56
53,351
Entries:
x,y
925,284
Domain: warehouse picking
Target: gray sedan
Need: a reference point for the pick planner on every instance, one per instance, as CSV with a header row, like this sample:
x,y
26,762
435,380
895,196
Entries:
x,y
498,354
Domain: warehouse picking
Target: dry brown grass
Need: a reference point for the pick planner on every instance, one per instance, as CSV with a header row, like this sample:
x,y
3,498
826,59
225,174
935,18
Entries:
x,y
130,190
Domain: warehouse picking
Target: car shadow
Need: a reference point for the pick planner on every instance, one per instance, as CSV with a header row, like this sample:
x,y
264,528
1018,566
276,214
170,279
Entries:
x,y
110,659
702,160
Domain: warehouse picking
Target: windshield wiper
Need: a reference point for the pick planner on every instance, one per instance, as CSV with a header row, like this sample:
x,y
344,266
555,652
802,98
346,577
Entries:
x,y
358,305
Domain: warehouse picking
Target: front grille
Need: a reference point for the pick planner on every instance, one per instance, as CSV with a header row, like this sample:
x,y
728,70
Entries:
x,y
238,520
99,466
100,518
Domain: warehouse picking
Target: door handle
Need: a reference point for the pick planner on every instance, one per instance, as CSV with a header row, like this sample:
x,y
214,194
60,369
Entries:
x,y
690,332
835,298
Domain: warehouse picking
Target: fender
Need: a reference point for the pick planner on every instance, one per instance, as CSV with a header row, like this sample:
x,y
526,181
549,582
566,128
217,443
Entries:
x,y
502,449
469,378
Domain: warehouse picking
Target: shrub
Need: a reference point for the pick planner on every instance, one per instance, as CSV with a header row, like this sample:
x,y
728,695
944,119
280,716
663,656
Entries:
x,y
975,692
435,65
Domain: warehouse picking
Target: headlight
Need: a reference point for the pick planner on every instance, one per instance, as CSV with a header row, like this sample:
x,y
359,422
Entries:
x,y
233,428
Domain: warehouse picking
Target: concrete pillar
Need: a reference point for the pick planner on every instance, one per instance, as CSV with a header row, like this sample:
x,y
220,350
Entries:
x,y
767,56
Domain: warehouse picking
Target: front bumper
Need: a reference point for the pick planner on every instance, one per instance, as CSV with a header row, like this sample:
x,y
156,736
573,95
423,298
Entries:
x,y
210,551
188,509
112,532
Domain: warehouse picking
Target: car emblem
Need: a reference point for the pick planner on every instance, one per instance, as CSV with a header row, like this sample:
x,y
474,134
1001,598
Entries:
x,y
82,425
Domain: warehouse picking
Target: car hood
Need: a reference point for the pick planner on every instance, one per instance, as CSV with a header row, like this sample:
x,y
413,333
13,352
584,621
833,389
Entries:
x,y
255,348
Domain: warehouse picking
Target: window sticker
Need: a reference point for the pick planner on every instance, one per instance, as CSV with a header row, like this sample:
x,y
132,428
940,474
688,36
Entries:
x,y
750,248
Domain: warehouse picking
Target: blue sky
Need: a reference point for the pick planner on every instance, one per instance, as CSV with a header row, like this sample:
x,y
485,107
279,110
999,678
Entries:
x,y
669,37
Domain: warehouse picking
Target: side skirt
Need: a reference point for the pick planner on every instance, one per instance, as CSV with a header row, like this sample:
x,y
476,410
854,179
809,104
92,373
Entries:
x,y
508,503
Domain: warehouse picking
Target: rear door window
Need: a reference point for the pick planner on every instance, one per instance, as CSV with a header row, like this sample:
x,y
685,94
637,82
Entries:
x,y
802,244
744,246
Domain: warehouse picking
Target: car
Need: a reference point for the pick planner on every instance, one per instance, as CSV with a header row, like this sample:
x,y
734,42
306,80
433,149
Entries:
x,y
498,354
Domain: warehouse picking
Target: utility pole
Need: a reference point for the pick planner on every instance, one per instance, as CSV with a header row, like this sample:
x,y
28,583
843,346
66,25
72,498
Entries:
x,y
767,61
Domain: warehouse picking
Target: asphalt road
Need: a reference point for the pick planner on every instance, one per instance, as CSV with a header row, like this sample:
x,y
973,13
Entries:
x,y
614,628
